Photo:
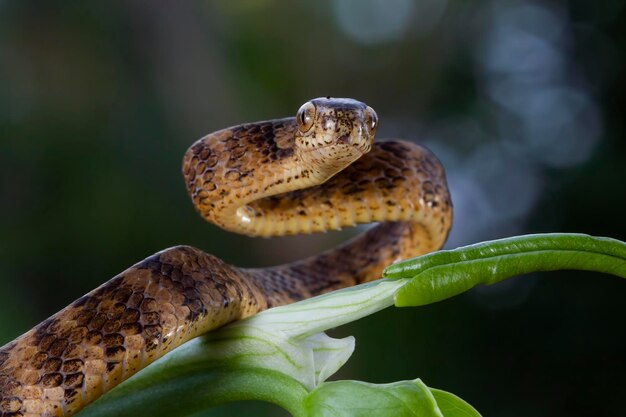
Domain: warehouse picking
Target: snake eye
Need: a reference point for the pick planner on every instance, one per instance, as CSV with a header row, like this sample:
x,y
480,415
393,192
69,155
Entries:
x,y
305,116
371,119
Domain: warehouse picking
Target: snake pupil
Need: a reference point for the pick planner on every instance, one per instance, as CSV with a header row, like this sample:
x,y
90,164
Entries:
x,y
305,116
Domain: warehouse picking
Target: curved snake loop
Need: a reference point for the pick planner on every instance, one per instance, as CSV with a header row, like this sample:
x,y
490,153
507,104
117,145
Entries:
x,y
320,170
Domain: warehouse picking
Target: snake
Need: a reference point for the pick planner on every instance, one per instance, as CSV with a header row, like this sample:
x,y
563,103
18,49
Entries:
x,y
320,170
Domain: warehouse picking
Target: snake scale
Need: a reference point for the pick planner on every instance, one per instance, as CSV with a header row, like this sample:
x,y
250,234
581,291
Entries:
x,y
317,171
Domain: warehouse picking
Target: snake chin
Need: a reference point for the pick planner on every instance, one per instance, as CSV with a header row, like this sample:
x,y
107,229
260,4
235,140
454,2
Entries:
x,y
327,160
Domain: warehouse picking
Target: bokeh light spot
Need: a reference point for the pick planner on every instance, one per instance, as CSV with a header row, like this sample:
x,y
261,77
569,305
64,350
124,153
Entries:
x,y
373,21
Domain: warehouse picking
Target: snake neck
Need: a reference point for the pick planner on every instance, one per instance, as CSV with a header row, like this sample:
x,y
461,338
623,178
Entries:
x,y
244,207
237,177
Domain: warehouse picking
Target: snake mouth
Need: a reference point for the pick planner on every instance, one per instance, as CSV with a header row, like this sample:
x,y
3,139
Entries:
x,y
343,142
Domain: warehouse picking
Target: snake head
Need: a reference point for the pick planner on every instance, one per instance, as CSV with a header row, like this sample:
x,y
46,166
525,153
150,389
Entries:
x,y
334,132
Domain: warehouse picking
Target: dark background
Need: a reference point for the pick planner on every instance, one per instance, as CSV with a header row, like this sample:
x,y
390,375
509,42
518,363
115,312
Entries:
x,y
523,102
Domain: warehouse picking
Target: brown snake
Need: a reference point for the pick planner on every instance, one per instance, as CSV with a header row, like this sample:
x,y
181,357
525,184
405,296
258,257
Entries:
x,y
320,170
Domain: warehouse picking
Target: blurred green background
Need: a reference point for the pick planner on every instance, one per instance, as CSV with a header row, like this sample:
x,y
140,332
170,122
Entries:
x,y
523,102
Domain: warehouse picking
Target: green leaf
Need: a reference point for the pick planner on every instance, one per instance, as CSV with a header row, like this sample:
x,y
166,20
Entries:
x,y
360,399
182,391
443,274
452,406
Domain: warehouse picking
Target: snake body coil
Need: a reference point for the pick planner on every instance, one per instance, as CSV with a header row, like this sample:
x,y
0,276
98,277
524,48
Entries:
x,y
320,170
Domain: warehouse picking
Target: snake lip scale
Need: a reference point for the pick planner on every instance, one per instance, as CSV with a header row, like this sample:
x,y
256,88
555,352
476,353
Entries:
x,y
316,171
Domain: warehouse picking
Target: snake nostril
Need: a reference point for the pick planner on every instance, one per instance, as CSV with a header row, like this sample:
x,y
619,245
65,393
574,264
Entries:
x,y
345,139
